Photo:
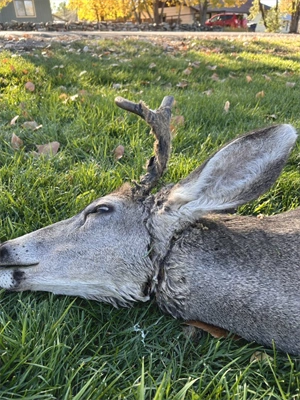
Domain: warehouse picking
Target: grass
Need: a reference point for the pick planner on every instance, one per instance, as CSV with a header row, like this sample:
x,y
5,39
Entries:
x,y
55,347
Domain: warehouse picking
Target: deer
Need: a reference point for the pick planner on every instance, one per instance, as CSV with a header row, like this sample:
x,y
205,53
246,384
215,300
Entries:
x,y
178,243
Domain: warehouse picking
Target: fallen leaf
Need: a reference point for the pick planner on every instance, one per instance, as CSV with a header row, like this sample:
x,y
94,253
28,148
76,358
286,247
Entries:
x,y
13,121
49,149
215,77
227,106
260,94
63,96
31,125
248,78
187,71
83,92
215,331
16,142
290,84
176,121
272,116
259,356
195,64
212,67
208,92
152,65
267,78
30,86
182,84
119,152
117,86
82,73
74,97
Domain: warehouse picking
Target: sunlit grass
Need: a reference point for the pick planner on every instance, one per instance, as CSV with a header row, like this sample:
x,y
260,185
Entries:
x,y
55,347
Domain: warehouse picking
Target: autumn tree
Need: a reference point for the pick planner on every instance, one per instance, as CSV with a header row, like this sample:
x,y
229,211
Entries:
x,y
100,10
3,3
270,16
291,7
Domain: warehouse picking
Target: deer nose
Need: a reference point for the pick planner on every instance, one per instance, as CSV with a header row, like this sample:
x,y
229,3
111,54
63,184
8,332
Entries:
x,y
11,257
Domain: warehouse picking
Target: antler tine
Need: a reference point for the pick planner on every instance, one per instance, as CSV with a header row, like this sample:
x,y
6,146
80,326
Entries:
x,y
159,121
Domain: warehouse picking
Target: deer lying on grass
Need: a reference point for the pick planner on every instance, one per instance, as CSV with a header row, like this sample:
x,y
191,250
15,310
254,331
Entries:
x,y
238,273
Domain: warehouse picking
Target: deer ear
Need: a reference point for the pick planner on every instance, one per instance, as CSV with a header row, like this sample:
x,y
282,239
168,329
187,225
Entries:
x,y
239,172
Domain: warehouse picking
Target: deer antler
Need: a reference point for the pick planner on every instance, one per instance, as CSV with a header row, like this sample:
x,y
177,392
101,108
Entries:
x,y
159,121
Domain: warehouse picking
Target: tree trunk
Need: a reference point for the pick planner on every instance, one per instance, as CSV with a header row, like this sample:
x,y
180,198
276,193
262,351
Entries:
x,y
203,11
295,18
162,11
179,14
156,11
263,13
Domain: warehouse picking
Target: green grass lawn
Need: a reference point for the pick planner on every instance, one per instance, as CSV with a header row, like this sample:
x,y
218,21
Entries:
x,y
55,347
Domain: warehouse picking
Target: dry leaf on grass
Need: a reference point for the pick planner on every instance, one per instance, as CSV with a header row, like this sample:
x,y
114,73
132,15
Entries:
x,y
117,86
182,85
208,92
49,149
176,121
16,142
13,121
227,106
215,331
74,97
30,86
290,84
33,125
195,64
267,78
260,94
119,152
187,71
215,77
212,67
248,78
259,356
272,116
152,65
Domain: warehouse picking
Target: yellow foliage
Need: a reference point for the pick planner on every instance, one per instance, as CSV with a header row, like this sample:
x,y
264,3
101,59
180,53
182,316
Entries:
x,y
99,10
289,6
4,3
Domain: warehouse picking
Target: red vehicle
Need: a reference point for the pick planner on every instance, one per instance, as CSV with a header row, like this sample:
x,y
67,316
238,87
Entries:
x,y
227,20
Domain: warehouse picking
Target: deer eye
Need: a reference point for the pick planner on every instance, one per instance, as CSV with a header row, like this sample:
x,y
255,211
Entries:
x,y
100,209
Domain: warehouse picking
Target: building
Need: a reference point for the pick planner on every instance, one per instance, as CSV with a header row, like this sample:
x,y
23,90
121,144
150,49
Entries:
x,y
26,11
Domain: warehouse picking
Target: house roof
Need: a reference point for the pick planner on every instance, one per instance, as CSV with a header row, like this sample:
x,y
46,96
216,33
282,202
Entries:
x,y
243,9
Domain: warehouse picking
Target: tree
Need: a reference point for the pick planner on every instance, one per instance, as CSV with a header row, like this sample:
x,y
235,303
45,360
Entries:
x,y
291,7
100,10
270,16
3,3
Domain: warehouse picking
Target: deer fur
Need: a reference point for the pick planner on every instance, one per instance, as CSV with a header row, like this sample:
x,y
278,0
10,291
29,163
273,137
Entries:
x,y
238,273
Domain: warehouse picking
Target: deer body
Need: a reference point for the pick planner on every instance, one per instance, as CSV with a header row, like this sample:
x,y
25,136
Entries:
x,y
238,273
242,274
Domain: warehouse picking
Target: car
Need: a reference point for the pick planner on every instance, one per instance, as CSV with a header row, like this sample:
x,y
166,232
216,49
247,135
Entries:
x,y
229,20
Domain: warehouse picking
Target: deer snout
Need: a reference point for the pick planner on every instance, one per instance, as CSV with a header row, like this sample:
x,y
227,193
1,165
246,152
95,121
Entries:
x,y
14,254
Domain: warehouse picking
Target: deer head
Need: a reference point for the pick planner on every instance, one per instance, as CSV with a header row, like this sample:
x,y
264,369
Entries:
x,y
113,250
